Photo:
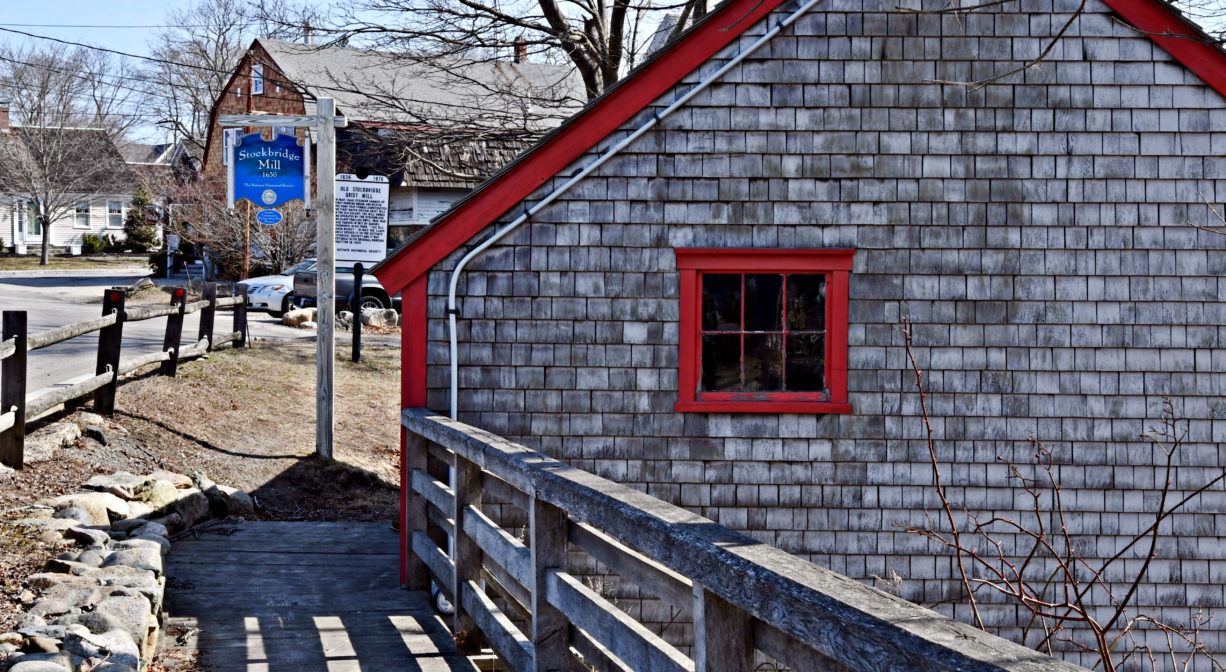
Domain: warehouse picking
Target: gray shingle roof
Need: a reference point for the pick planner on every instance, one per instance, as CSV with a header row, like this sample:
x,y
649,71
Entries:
x,y
374,86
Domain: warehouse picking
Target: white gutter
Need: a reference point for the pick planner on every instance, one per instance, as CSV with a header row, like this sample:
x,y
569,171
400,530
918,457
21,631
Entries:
x,y
577,177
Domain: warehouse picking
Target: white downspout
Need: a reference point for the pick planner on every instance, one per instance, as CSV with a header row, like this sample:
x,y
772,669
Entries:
x,y
587,170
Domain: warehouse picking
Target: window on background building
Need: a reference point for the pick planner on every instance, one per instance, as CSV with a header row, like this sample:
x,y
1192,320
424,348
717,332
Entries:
x,y
114,214
80,217
257,79
763,331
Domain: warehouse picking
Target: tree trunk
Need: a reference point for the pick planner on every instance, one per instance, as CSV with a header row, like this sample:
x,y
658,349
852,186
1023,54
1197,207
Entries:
x,y
46,229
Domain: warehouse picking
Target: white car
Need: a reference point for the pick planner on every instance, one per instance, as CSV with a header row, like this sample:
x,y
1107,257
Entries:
x,y
270,293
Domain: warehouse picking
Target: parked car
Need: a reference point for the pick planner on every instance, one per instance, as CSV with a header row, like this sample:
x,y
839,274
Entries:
x,y
270,293
373,294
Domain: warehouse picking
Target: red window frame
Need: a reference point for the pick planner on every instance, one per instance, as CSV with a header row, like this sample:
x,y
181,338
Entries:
x,y
692,263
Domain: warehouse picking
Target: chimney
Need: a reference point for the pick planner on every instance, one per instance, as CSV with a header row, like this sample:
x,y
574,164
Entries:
x,y
4,116
521,50
306,32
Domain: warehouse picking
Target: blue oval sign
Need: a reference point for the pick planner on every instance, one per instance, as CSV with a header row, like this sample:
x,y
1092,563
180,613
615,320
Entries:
x,y
268,173
269,217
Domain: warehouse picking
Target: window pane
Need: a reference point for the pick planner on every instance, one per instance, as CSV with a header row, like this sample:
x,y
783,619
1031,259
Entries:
x,y
721,303
763,363
807,302
806,363
721,362
763,302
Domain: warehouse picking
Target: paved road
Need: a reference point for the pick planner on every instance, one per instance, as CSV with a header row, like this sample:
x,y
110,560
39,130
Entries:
x,y
58,300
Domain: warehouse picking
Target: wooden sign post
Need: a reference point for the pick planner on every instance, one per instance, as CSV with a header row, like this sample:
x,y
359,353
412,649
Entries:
x,y
324,123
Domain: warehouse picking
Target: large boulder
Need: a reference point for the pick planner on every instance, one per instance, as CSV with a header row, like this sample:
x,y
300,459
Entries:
x,y
376,317
134,613
27,664
97,623
296,317
103,507
156,493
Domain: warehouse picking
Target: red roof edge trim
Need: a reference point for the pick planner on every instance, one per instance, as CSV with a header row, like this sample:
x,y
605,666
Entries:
x,y
594,123
1179,37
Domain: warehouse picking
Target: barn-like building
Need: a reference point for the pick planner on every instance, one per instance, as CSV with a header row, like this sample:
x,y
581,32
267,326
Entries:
x,y
697,287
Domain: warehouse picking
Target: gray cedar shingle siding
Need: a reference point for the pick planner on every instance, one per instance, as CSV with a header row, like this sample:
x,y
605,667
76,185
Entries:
x,y
1037,232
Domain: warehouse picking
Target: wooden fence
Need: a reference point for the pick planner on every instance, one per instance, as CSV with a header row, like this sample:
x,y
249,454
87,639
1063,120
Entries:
x,y
745,598
16,344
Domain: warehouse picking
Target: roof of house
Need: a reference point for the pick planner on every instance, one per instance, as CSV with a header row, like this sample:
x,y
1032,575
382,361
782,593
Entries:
x,y
428,158
378,86
1157,19
86,158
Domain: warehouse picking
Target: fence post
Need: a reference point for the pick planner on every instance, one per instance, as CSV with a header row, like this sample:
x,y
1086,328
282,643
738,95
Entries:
x,y
13,389
110,344
173,341
206,315
723,634
550,629
355,307
467,554
416,518
240,318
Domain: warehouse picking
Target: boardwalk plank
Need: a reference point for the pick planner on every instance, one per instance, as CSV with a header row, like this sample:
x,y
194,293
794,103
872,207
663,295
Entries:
x,y
310,597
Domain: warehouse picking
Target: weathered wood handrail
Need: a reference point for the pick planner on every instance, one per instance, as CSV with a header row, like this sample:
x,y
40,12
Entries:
x,y
60,334
743,595
110,364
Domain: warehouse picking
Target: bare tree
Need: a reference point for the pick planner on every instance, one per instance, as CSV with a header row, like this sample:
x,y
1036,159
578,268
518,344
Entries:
x,y
60,151
600,39
1033,559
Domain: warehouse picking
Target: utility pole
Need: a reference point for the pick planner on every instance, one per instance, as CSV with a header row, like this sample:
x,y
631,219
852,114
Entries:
x,y
324,122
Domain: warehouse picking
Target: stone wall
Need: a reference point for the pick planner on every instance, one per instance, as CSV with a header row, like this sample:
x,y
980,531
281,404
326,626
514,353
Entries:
x,y
1039,232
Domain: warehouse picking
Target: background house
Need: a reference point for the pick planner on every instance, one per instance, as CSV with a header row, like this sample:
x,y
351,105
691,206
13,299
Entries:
x,y
434,134
1050,236
100,194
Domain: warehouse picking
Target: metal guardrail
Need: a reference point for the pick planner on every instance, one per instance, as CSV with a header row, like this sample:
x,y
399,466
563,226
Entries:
x,y
744,598
15,345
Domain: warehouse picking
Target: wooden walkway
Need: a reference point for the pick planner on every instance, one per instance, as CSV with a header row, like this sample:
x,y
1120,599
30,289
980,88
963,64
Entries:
x,y
309,597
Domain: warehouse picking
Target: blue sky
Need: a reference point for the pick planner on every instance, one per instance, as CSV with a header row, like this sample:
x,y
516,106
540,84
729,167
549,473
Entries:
x,y
90,13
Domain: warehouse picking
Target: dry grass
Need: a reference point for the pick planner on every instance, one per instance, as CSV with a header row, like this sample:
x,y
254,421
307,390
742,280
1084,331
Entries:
x,y
29,262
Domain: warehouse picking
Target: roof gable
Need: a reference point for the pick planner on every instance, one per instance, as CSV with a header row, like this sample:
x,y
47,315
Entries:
x,y
1154,18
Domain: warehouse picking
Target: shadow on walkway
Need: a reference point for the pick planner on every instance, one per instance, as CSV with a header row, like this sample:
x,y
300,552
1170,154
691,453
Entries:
x,y
300,596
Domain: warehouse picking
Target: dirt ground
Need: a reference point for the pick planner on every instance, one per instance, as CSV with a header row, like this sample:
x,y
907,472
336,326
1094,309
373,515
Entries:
x,y
245,418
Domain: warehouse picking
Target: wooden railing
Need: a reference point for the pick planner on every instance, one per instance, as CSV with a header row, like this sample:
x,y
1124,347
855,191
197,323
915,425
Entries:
x,y
15,345
744,598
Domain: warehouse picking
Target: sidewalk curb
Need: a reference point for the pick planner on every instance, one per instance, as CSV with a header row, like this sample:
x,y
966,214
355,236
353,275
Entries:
x,y
123,271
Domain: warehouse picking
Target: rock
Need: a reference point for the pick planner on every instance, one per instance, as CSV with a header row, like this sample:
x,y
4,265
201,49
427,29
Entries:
x,y
58,524
93,557
120,484
45,580
43,444
140,558
128,524
156,493
25,665
73,513
179,480
151,528
47,607
171,521
29,620
163,542
11,638
103,507
192,507
78,597
143,283
66,567
26,597
115,646
96,433
376,317
135,616
97,622
38,644
87,418
239,502
308,325
113,667
139,510
298,316
87,536
68,556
